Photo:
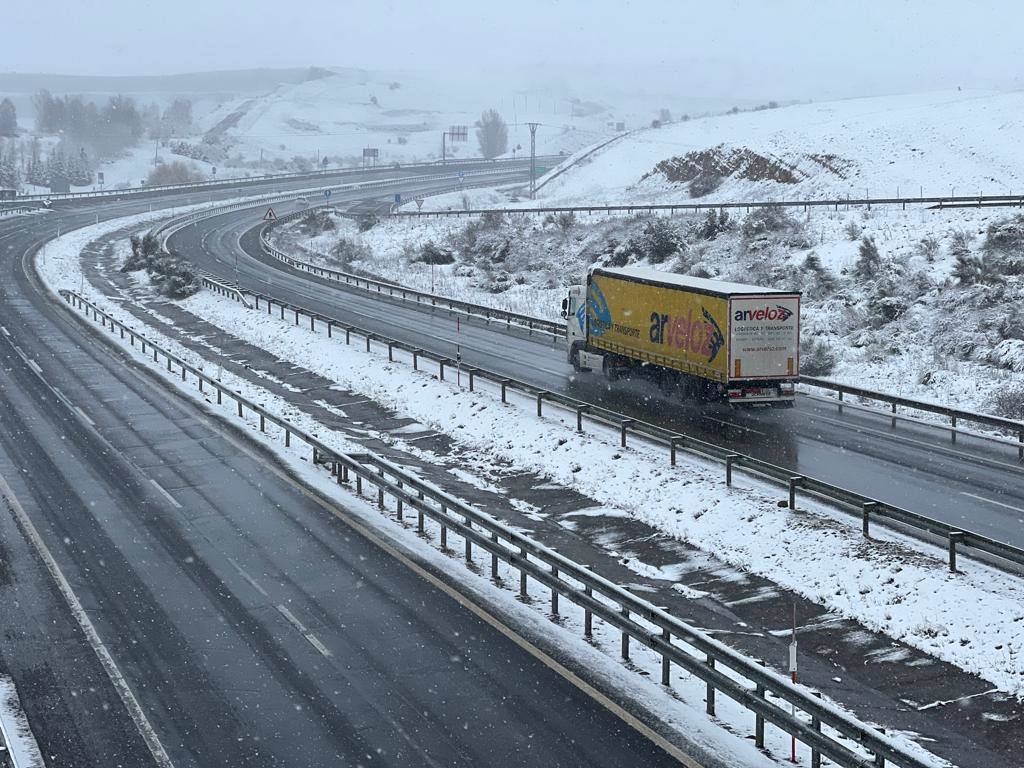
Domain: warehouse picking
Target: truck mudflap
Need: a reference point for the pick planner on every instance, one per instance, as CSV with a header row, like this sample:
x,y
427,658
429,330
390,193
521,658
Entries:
x,y
779,394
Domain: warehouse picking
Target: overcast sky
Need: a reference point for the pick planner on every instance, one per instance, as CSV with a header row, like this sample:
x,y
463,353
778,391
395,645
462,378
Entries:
x,y
732,48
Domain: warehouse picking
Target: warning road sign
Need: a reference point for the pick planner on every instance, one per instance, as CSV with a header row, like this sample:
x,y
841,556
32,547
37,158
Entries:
x,y
269,215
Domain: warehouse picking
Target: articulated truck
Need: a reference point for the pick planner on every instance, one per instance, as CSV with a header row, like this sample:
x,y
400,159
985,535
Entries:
x,y
709,339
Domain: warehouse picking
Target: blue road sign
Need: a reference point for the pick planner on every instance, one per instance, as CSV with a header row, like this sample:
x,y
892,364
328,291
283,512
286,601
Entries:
x,y
461,174
398,197
327,194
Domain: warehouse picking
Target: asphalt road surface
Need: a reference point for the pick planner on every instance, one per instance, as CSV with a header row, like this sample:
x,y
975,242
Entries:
x,y
253,627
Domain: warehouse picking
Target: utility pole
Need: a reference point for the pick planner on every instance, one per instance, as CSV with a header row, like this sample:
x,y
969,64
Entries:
x,y
533,160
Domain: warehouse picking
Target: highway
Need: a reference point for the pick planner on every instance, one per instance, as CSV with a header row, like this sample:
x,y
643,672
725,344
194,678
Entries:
x,y
252,623
975,484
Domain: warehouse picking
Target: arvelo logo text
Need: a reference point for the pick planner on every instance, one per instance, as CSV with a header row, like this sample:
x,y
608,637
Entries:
x,y
778,313
700,335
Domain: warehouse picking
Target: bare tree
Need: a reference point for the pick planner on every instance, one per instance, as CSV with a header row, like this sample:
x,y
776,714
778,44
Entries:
x,y
492,133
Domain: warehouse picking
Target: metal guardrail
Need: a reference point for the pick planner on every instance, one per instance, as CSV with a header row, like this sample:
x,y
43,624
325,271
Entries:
x,y
243,180
17,210
965,201
844,499
557,329
821,725
867,508
953,414
382,287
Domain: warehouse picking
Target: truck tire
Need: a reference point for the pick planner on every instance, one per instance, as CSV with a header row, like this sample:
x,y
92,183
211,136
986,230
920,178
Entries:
x,y
610,371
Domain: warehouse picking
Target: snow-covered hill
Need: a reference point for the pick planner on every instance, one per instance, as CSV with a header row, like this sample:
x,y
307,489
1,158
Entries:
x,y
967,142
401,114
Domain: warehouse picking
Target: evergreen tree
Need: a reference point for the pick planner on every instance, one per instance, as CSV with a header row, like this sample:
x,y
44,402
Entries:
x,y
492,133
8,118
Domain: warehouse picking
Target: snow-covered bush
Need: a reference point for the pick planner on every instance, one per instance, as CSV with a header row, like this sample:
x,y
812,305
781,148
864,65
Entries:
x,y
1008,401
817,358
346,251
869,260
431,253
763,221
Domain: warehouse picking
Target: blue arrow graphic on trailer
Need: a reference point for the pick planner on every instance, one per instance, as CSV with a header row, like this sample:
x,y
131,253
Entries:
x,y
596,308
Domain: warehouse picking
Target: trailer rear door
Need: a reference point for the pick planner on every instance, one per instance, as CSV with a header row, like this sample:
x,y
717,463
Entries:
x,y
764,336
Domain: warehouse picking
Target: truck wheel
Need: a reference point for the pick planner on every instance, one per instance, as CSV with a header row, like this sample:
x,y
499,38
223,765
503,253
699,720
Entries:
x,y
610,371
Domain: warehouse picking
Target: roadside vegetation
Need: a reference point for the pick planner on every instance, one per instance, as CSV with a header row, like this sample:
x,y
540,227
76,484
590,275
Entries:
x,y
925,308
171,276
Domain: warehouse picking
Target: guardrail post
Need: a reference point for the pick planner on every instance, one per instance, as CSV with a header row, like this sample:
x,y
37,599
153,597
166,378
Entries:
x,y
673,443
494,557
263,423
312,323
952,432
183,369
470,379
625,639
711,689
168,363
220,396
368,342
731,459
626,424
359,485
282,311
893,415
666,663
504,383
257,301
522,576
380,489
1020,439
330,329
391,352
955,537
200,383
816,725
444,530
579,416
588,617
840,401
469,543
287,438
759,722
793,483
540,403
866,510
296,317
398,505
554,594
440,370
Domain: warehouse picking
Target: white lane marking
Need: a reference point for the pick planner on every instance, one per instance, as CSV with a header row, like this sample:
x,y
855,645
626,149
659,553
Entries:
x,y
34,366
291,619
118,680
6,332
941,703
252,582
167,495
84,416
320,647
992,501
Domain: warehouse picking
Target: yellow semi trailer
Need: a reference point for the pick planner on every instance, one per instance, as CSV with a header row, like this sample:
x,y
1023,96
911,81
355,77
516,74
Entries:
x,y
712,339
